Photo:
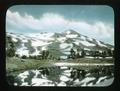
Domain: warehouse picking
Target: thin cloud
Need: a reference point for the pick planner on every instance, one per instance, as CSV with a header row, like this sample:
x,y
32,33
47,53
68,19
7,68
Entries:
x,y
51,22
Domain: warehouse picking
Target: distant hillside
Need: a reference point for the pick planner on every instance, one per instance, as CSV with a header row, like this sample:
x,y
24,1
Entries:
x,y
58,44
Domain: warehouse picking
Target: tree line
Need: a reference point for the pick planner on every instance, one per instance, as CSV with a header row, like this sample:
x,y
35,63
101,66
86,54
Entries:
x,y
96,53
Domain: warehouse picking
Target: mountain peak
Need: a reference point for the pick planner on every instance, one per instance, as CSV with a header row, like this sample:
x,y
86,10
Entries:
x,y
70,31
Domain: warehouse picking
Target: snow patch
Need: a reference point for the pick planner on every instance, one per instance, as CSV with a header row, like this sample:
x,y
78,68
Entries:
x,y
61,39
24,84
77,42
87,43
83,38
23,75
64,45
105,83
67,52
71,36
41,82
44,48
36,72
14,39
24,40
77,81
39,43
62,84
89,57
86,80
90,39
67,74
68,32
100,44
63,67
63,57
37,52
64,78
87,49
23,51
41,36
101,78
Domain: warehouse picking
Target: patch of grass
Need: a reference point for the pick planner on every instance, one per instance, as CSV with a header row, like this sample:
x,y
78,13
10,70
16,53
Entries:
x,y
17,64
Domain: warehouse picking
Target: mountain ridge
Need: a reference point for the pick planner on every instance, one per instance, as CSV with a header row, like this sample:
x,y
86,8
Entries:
x,y
31,44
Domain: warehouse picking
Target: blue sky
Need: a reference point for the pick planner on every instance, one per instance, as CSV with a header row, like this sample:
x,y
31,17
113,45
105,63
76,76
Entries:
x,y
90,20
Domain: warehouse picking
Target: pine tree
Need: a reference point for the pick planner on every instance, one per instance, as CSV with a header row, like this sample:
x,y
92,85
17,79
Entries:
x,y
46,54
10,48
72,54
103,54
24,57
43,54
109,52
83,53
77,55
113,53
96,54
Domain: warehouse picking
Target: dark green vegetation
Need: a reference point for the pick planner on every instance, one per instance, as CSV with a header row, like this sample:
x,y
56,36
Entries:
x,y
10,51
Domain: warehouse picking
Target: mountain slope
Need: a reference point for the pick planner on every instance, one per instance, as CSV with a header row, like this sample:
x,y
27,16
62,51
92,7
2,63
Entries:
x,y
58,44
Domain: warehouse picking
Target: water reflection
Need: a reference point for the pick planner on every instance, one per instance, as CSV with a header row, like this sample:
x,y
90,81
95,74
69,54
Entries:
x,y
65,76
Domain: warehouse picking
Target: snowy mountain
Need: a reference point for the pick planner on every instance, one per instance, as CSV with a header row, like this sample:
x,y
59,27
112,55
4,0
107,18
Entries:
x,y
58,44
